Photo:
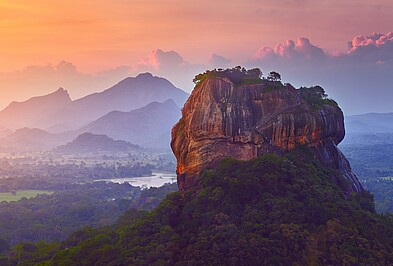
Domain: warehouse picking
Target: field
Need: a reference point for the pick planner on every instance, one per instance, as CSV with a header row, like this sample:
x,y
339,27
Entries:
x,y
22,193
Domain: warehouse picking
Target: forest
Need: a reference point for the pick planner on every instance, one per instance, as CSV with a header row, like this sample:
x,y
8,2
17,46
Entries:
x,y
373,164
266,211
46,197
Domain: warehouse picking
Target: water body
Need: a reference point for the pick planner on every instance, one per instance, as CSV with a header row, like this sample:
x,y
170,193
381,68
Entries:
x,y
155,180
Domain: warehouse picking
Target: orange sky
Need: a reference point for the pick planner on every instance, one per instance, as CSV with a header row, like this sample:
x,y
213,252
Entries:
x,y
100,35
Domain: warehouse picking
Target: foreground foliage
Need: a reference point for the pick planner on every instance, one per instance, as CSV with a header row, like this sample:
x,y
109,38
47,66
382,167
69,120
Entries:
x,y
54,217
268,211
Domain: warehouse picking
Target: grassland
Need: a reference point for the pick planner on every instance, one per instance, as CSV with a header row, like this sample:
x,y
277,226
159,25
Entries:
x,y
22,193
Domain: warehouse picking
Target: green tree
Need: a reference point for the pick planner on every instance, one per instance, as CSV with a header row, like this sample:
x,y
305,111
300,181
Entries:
x,y
274,76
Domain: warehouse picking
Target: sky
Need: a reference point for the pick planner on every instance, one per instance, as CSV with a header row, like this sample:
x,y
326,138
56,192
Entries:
x,y
87,46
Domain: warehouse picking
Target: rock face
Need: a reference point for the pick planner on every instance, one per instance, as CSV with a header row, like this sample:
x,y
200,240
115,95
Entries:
x,y
223,120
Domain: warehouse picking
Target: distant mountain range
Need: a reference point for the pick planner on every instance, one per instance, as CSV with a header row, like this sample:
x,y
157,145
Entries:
x,y
91,143
33,139
368,129
370,123
149,126
140,110
32,111
56,112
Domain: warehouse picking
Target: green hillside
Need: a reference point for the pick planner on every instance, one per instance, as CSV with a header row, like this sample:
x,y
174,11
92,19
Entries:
x,y
267,211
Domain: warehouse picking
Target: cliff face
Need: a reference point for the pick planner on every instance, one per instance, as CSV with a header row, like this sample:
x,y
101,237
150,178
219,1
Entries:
x,y
220,120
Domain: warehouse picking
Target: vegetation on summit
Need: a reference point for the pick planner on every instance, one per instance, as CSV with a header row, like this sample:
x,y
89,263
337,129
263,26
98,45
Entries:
x,y
316,97
238,75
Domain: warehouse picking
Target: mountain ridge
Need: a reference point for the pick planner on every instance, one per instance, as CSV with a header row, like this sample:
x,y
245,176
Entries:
x,y
148,126
24,113
129,94
93,143
370,123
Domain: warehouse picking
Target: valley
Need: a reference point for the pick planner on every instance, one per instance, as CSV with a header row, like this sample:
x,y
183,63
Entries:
x,y
47,196
66,164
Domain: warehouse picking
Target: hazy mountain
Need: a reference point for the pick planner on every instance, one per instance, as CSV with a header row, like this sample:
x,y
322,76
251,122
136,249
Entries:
x,y
88,143
370,123
33,139
29,112
129,94
148,126
56,112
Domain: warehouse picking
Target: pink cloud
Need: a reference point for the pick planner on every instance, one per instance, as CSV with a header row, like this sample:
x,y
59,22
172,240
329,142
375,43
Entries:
x,y
360,78
158,59
374,49
171,65
218,61
375,39
302,51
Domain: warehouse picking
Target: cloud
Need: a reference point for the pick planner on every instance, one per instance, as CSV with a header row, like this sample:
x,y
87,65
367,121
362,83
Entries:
x,y
358,78
159,60
218,61
375,39
376,48
303,52
37,80
171,65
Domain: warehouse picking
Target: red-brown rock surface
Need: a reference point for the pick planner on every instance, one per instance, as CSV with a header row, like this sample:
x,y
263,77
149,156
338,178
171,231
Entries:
x,y
221,120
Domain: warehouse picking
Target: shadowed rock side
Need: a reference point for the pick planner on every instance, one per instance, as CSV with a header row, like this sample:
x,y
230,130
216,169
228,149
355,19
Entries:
x,y
220,120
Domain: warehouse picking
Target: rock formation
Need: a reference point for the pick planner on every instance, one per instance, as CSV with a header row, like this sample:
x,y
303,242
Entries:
x,y
221,119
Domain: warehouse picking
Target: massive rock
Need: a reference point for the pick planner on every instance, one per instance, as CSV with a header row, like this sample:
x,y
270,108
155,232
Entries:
x,y
223,120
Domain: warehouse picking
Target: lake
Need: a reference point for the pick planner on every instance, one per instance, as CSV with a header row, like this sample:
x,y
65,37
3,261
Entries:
x,y
155,180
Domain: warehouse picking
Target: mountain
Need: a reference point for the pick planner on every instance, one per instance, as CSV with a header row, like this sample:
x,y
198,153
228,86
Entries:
x,y
92,143
224,119
129,94
368,129
369,123
149,126
32,139
57,113
28,113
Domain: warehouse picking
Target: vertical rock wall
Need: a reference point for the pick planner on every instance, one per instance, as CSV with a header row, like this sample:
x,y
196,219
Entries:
x,y
220,120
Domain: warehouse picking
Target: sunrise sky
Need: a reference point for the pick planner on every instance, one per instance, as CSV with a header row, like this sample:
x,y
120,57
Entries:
x,y
87,46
